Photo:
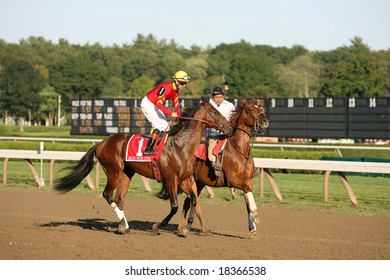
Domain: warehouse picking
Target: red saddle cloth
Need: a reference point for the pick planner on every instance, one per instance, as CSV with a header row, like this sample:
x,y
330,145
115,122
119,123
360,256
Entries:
x,y
136,146
135,149
218,147
135,152
202,149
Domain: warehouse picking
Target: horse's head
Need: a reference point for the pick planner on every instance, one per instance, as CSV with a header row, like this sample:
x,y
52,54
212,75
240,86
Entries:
x,y
213,118
256,117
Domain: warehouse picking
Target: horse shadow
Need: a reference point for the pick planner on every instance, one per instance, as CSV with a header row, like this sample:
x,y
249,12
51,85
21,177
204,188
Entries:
x,y
103,225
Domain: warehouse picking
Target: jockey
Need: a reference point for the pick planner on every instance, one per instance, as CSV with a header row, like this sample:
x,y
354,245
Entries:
x,y
212,135
152,105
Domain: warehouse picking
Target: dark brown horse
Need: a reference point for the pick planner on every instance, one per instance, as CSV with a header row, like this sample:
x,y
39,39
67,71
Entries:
x,y
176,162
237,161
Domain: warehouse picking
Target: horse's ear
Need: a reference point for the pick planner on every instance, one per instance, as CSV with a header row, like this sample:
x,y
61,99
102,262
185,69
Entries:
x,y
243,101
204,100
260,102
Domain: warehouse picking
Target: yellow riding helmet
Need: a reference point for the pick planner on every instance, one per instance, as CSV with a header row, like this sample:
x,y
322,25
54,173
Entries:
x,y
181,76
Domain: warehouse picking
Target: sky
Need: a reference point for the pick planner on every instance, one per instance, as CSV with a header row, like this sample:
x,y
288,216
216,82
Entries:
x,y
314,24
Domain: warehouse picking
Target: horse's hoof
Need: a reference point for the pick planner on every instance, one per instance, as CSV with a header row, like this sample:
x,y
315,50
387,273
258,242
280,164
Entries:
x,y
253,234
122,227
184,231
156,227
255,218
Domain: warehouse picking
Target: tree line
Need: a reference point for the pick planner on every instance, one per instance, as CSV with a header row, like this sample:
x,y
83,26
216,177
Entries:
x,y
34,72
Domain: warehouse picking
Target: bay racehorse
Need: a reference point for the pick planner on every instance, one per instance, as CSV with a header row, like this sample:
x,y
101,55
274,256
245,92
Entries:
x,y
236,159
176,162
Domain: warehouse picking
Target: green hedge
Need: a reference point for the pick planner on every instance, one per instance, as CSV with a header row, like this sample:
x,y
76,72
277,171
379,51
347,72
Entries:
x,y
5,130
35,145
292,154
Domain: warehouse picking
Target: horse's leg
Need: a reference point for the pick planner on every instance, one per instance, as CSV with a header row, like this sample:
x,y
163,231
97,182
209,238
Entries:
x,y
117,205
251,224
251,208
253,218
186,207
174,206
112,182
195,206
233,193
198,212
251,204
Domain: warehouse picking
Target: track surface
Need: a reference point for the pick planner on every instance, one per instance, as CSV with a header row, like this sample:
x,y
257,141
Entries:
x,y
39,225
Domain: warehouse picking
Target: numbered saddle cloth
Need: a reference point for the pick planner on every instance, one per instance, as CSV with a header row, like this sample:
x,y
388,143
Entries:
x,y
135,149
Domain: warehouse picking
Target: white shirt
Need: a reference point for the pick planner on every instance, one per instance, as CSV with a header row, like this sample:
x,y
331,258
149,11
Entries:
x,y
225,108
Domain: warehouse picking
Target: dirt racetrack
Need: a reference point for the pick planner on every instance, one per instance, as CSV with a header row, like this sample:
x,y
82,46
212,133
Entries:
x,y
40,225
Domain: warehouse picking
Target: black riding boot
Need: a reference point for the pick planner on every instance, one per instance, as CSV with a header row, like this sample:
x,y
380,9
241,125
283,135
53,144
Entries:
x,y
149,149
217,167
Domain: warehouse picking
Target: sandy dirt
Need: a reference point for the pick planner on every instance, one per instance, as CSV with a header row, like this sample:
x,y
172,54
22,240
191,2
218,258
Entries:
x,y
40,225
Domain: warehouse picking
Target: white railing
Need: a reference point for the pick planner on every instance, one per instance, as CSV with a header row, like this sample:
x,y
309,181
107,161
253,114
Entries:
x,y
264,164
28,155
333,147
266,145
48,139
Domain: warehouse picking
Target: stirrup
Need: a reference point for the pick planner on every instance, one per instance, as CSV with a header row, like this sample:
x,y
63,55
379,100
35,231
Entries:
x,y
217,168
217,165
149,151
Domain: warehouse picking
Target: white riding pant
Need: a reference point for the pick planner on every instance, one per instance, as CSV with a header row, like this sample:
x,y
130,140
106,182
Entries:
x,y
154,115
212,143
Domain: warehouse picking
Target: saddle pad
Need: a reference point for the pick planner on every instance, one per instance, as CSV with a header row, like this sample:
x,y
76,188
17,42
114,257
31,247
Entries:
x,y
202,151
135,149
219,147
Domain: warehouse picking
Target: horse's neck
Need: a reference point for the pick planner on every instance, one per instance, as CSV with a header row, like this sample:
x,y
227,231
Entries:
x,y
241,137
189,138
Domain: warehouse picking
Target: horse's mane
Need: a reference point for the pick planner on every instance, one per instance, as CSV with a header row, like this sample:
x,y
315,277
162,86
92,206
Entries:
x,y
236,113
187,112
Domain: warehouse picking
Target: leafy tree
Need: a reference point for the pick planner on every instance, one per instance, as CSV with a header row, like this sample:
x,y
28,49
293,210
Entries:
x,y
49,105
355,74
299,78
282,55
20,84
140,87
383,58
252,74
77,77
196,67
93,71
113,87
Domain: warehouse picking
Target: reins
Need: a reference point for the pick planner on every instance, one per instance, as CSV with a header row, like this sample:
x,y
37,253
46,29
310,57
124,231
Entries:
x,y
199,120
211,124
249,133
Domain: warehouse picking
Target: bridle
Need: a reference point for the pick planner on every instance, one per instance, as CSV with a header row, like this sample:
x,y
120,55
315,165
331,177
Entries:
x,y
216,124
257,124
256,127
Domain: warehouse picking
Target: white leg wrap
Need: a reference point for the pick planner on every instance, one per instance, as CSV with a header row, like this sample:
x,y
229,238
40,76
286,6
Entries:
x,y
251,202
252,225
120,214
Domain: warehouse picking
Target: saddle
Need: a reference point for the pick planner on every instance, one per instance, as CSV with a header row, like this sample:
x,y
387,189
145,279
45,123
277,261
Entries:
x,y
201,153
135,152
218,149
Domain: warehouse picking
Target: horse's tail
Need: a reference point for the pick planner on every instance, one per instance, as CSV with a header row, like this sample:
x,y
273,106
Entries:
x,y
164,194
77,172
